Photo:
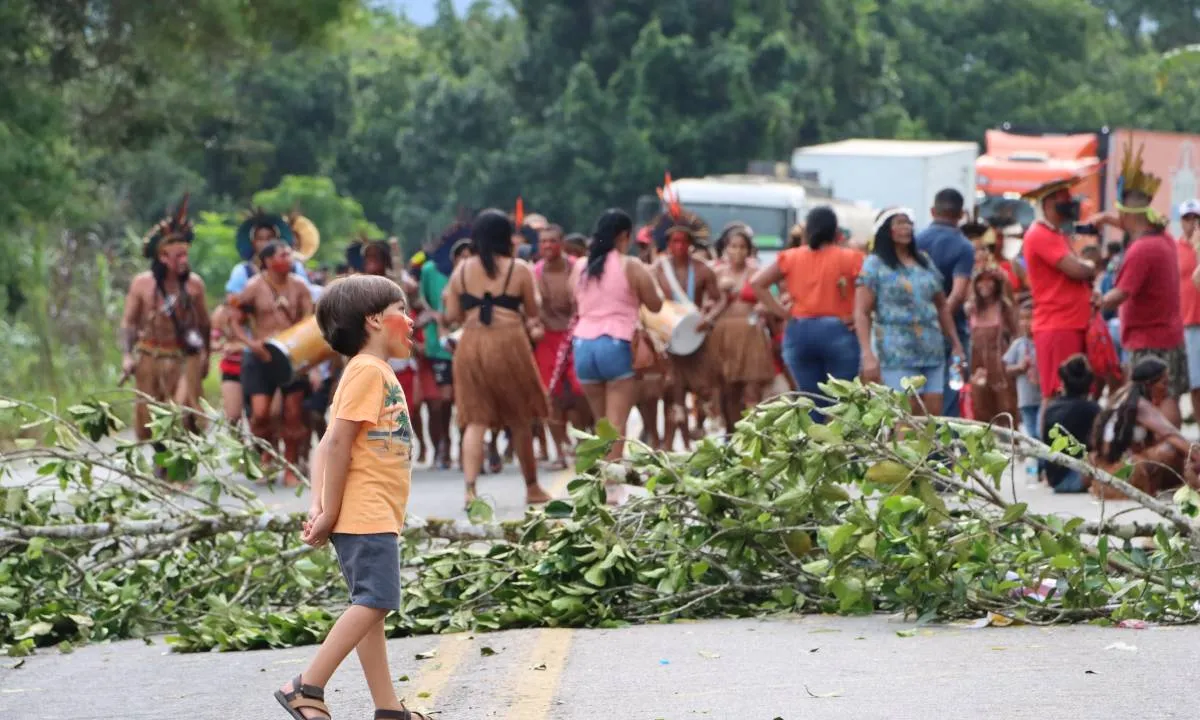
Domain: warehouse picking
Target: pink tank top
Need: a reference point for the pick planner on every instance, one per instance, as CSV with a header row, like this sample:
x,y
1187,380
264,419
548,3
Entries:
x,y
607,306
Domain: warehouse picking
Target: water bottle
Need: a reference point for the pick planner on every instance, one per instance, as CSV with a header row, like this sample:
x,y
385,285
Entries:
x,y
956,378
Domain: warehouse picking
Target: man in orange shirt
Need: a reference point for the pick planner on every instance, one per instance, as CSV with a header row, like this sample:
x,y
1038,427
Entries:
x,y
361,476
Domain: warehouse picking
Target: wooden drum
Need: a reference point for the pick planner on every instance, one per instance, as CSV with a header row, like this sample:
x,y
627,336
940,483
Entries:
x,y
675,326
301,346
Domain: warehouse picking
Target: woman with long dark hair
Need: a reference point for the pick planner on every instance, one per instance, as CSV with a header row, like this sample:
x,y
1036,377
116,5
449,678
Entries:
x,y
1134,429
740,340
901,316
610,288
496,381
819,278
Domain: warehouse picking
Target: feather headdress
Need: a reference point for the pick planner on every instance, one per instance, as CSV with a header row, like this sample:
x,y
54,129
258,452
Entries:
x,y
175,228
257,217
442,253
1135,185
675,218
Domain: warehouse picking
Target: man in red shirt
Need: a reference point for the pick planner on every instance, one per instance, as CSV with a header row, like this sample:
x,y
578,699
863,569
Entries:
x,y
1189,295
1060,282
1149,301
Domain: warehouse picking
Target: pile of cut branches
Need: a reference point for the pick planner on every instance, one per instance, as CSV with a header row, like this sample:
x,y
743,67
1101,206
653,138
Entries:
x,y
782,516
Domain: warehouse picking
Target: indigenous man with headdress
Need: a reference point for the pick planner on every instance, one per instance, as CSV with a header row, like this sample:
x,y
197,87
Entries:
x,y
688,280
1147,292
165,330
1060,282
258,229
274,300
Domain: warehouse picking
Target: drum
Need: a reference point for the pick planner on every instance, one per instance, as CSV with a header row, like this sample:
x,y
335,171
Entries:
x,y
301,346
675,325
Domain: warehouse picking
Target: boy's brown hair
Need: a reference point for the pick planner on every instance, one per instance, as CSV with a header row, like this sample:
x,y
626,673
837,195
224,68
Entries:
x,y
346,304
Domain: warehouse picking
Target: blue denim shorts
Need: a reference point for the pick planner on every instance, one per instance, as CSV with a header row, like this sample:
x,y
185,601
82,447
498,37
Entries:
x,y
935,377
371,566
603,359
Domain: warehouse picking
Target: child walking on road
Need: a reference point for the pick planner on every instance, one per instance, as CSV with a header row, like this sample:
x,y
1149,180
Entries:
x,y
360,486
1020,362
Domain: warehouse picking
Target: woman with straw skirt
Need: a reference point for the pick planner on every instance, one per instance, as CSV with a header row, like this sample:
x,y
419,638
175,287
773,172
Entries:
x,y
496,381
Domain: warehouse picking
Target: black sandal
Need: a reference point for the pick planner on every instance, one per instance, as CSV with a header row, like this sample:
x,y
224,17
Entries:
x,y
303,696
402,714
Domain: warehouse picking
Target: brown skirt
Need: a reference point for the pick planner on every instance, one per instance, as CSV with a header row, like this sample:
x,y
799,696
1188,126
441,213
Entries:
x,y
496,381
996,398
699,372
743,350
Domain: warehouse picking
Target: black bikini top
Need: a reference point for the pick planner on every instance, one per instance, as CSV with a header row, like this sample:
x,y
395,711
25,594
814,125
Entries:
x,y
489,301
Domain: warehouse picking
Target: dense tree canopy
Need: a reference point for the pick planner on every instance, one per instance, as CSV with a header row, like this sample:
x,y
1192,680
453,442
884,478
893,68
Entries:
x,y
109,111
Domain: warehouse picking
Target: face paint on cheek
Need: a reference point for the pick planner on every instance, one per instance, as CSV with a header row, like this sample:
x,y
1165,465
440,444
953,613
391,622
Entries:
x,y
680,246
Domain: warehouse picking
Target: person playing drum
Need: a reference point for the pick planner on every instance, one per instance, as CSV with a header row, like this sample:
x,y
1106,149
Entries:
x,y
687,280
165,329
274,300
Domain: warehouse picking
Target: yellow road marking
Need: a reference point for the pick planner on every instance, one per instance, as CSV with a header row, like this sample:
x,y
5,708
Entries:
x,y
435,672
536,682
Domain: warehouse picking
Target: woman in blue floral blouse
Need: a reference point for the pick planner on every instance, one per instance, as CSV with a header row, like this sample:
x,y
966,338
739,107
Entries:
x,y
900,313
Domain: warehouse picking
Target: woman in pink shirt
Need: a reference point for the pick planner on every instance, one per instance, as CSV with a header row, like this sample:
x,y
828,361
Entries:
x,y
610,287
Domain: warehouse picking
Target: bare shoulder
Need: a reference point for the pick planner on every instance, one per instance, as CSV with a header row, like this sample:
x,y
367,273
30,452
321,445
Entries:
x,y
522,268
196,284
253,284
142,281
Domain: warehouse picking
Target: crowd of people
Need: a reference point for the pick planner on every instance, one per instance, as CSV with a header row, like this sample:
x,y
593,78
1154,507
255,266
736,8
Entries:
x,y
509,329
523,330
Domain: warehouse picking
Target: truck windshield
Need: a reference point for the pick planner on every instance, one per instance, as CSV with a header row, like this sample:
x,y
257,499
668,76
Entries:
x,y
769,224
1019,210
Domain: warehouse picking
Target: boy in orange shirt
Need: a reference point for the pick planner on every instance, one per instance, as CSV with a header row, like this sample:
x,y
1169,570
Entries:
x,y
360,484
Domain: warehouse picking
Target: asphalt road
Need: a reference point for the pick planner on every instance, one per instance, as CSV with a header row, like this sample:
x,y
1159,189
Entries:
x,y
804,667
793,667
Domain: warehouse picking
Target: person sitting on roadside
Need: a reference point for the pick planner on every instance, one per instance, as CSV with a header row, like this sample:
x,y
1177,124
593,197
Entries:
x,y
1134,429
1074,412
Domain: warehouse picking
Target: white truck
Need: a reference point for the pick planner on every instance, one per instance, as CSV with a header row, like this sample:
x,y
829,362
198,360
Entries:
x,y
769,205
892,173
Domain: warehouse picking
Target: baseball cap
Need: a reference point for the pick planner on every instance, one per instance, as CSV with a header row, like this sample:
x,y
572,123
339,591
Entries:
x,y
1189,207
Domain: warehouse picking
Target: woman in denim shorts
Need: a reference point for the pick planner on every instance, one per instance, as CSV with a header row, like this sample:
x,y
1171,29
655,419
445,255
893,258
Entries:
x,y
610,287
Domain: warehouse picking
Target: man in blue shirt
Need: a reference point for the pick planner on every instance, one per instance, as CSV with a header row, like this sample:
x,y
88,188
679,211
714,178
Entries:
x,y
954,257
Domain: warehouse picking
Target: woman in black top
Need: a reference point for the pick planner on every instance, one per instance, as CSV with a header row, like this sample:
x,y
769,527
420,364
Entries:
x,y
496,383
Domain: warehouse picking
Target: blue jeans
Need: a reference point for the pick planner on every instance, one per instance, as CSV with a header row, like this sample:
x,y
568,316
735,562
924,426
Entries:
x,y
603,359
950,400
1031,416
1072,482
817,348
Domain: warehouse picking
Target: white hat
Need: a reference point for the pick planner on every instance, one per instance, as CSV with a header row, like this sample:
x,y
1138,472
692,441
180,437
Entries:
x,y
1189,207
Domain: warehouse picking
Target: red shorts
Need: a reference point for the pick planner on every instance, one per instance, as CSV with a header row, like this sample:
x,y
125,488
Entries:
x,y
231,365
546,355
1053,347
408,383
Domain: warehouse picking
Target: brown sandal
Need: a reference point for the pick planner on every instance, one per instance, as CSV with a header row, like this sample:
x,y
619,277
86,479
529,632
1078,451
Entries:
x,y
402,714
303,696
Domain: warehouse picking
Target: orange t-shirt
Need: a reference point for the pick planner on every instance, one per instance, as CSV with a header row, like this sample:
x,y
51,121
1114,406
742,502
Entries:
x,y
377,480
821,282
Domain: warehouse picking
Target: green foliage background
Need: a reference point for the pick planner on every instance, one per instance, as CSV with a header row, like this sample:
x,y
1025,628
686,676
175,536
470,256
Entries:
x,y
374,124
